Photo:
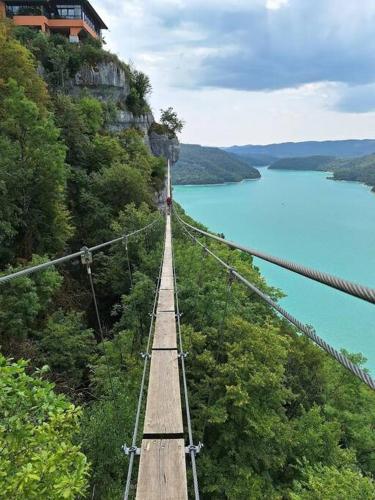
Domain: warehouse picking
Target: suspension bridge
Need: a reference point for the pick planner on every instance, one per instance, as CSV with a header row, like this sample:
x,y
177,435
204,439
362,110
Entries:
x,y
167,443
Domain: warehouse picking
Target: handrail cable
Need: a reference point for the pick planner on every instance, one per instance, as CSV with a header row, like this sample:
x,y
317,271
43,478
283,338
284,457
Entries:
x,y
146,356
307,330
192,448
349,287
61,260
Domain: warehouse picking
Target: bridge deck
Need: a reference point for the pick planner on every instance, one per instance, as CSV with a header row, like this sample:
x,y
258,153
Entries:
x,y
162,468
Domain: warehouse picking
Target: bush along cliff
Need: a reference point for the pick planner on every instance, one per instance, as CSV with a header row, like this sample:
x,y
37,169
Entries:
x,y
278,418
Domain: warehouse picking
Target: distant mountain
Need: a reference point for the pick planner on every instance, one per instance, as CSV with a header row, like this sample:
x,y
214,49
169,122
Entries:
x,y
349,148
257,160
205,165
303,163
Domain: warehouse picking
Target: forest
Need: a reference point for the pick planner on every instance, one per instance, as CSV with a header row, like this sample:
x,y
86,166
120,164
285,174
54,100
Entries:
x,y
205,165
279,419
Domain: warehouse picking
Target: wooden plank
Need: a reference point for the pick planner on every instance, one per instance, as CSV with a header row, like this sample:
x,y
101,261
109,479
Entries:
x,y
162,470
166,301
166,282
163,409
165,331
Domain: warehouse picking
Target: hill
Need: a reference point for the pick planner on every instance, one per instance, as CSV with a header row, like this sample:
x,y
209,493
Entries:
x,y
355,169
360,170
307,163
205,165
347,149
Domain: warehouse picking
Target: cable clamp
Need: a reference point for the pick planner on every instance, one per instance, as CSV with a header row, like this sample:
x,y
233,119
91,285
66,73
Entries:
x,y
232,276
145,355
194,449
86,257
152,315
183,355
132,450
125,241
179,315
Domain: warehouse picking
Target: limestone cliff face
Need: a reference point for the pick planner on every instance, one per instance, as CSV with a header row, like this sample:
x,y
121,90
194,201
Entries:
x,y
107,81
125,120
162,145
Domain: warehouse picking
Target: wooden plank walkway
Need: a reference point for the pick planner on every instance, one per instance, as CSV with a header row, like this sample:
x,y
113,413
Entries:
x,y
162,467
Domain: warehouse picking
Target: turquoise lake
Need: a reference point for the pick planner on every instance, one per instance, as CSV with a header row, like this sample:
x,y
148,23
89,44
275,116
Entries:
x,y
304,217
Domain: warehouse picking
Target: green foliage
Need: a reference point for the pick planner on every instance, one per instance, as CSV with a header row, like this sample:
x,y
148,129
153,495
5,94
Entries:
x,y
92,113
140,87
330,483
67,348
203,165
170,121
33,216
23,301
17,63
37,428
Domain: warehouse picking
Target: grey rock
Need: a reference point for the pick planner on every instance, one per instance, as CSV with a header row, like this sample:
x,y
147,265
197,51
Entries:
x,y
104,81
162,145
126,120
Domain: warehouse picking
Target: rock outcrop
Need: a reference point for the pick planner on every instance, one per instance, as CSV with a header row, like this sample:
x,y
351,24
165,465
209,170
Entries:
x,y
105,81
162,145
108,82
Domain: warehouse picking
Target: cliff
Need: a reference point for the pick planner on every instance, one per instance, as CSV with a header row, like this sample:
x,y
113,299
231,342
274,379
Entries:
x,y
109,82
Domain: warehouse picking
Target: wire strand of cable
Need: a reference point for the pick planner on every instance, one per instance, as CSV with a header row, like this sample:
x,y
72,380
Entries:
x,y
348,287
66,258
192,451
143,381
307,330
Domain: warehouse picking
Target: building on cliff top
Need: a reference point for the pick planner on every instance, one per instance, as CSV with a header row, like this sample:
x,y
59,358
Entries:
x,y
70,18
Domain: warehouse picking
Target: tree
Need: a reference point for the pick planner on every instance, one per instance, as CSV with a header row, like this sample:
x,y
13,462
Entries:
x,y
32,178
142,84
17,62
322,482
37,428
171,122
67,347
22,302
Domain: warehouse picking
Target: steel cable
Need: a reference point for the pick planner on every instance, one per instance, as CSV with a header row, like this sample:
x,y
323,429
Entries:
x,y
66,258
353,289
307,330
192,448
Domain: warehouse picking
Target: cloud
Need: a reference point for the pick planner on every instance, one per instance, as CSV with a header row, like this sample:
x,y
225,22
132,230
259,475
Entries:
x,y
358,99
253,44
253,70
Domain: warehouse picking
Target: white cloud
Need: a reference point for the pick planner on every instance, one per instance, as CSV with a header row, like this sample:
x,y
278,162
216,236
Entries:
x,y
276,4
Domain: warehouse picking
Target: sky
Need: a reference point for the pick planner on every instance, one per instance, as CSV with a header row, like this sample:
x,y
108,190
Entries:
x,y
253,71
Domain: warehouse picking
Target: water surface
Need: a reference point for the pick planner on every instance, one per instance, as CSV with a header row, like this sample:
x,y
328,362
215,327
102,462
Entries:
x,y
316,222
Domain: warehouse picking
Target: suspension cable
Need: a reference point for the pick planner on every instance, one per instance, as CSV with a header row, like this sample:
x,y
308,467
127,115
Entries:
x,y
192,448
146,356
307,330
353,289
66,258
